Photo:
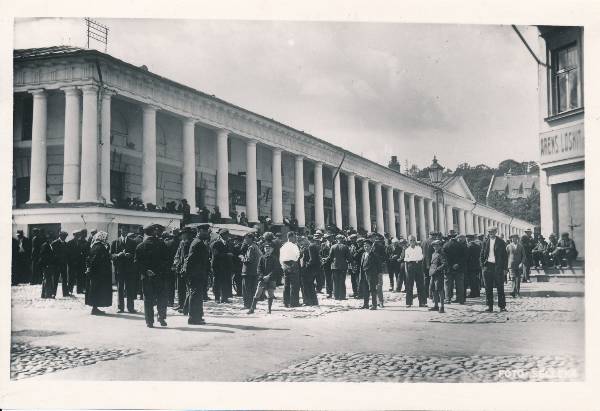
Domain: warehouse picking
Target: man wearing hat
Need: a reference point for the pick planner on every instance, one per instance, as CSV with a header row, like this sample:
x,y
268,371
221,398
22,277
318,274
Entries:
x,y
493,260
437,269
473,270
356,251
249,270
326,265
339,257
456,253
565,250
221,264
76,261
172,241
152,260
528,244
516,257
23,257
38,239
181,254
413,261
266,272
122,262
61,252
369,275
289,256
313,265
196,268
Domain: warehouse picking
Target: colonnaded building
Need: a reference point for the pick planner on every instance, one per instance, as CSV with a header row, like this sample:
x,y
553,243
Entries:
x,y
91,130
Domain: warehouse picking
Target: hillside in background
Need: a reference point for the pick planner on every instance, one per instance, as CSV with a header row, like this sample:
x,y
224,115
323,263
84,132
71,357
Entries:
x,y
478,179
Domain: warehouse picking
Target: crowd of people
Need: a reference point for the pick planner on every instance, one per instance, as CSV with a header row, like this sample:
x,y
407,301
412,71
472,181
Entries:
x,y
178,268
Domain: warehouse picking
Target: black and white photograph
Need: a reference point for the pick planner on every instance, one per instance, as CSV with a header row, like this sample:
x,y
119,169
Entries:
x,y
272,200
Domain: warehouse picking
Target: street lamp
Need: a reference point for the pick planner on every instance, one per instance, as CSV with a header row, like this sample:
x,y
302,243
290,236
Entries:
x,y
436,172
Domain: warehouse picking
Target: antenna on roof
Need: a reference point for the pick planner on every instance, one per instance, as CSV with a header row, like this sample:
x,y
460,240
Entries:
x,y
96,31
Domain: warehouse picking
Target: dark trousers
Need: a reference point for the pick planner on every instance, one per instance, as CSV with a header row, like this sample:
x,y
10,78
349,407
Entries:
x,y
126,288
23,268
320,278
181,291
473,282
237,281
195,300
221,282
455,278
155,293
291,287
60,275
36,272
339,284
494,277
328,280
171,283
414,275
356,291
369,290
49,277
248,289
401,278
436,289
309,294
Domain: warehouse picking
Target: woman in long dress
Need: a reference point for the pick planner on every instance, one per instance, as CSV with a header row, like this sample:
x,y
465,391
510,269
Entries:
x,y
98,292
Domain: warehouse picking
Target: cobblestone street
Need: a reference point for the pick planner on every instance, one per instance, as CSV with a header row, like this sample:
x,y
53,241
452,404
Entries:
x,y
539,338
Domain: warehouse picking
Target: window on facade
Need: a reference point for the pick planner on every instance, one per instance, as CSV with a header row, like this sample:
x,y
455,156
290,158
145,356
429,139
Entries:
x,y
566,79
117,185
21,191
27,118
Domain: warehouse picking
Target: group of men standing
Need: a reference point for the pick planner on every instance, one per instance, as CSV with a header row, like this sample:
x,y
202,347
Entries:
x,y
160,265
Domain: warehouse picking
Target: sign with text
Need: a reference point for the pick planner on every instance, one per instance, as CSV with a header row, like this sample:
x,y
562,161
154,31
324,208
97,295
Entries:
x,y
562,144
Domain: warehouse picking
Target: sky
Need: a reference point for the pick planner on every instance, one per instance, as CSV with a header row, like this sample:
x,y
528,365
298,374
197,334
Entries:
x,y
465,93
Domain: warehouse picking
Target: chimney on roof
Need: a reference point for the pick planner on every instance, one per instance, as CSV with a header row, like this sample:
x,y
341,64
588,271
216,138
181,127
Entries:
x,y
144,67
394,164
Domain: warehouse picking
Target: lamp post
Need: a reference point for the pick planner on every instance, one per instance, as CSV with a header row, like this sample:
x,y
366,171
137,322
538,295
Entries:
x,y
436,172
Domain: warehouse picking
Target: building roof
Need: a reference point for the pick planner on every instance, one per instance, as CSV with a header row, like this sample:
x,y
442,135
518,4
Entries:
x,y
513,182
65,50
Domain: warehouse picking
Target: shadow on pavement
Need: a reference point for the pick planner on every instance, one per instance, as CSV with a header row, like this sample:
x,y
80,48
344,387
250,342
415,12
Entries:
x,y
247,327
198,329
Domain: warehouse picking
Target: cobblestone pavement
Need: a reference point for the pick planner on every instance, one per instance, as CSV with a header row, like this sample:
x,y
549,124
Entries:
x,y
523,309
378,367
27,360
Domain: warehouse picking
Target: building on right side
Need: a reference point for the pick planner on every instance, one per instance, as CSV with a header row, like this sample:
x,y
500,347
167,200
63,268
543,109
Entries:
x,y
561,137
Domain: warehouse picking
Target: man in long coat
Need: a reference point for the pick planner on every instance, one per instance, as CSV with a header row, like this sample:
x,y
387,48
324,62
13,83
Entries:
x,y
61,250
152,260
98,292
123,255
221,266
196,268
339,257
37,240
369,275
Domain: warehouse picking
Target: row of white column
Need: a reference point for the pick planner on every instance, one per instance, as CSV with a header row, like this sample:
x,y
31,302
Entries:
x,y
80,181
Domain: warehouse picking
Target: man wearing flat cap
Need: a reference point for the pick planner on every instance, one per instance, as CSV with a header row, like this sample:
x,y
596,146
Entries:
x,y
494,263
152,260
181,254
221,266
326,265
339,257
61,252
528,244
249,269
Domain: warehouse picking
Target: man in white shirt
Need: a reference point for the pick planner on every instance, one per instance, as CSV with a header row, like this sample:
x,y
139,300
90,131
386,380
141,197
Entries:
x,y
494,262
289,255
413,261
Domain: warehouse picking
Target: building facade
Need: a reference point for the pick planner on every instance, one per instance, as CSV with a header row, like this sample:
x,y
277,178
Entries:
x,y
562,149
513,186
91,130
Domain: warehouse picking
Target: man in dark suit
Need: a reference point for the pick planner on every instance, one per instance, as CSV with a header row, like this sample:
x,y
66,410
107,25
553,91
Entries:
x,y
494,263
38,238
22,258
61,252
122,251
339,257
221,264
456,253
196,268
369,275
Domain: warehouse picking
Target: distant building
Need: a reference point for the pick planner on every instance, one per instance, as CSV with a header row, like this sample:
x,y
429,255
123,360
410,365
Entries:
x,y
513,186
562,150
